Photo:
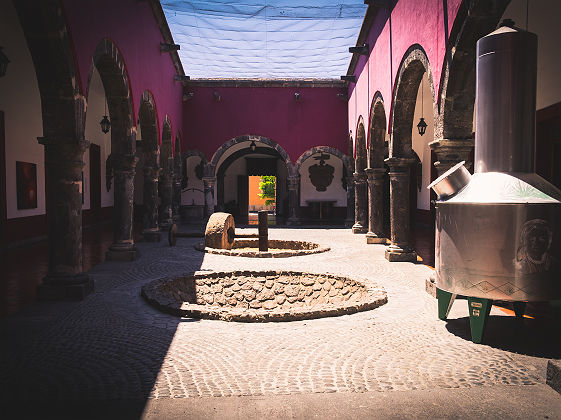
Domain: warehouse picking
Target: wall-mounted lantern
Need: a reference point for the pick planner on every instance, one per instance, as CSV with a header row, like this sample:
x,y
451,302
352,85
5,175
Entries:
x,y
3,63
217,96
297,96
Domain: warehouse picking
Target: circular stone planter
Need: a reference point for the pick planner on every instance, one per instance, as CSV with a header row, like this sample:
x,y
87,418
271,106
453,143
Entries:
x,y
277,249
263,296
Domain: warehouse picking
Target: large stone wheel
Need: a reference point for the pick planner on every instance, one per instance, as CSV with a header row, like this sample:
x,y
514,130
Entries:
x,y
220,231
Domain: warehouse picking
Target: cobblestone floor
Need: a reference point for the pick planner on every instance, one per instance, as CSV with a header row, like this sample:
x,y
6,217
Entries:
x,y
113,345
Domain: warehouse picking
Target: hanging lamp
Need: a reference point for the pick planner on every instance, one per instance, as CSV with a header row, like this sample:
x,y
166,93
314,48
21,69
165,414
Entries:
x,y
422,126
105,123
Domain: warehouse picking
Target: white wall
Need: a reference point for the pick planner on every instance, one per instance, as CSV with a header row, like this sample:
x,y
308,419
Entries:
x,y
421,143
334,191
95,112
543,20
21,103
238,167
193,197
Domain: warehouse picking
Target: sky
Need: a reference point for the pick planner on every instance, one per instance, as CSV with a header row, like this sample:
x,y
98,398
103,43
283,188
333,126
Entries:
x,y
265,39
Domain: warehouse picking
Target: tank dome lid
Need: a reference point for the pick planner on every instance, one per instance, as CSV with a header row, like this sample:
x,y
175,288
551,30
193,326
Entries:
x,y
500,187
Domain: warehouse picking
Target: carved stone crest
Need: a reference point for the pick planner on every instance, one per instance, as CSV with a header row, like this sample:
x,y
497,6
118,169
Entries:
x,y
321,175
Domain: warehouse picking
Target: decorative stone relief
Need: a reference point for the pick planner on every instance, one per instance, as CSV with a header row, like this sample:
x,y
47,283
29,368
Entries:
x,y
321,175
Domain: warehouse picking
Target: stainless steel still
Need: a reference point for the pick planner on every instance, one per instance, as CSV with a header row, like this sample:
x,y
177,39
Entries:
x,y
499,236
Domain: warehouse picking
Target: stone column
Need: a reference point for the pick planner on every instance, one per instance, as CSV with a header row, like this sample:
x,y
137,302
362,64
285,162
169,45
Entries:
x,y
176,201
208,183
63,167
166,194
151,232
293,199
361,212
400,248
376,234
451,151
350,201
123,247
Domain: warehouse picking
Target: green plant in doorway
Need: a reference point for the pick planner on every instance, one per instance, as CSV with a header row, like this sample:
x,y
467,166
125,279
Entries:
x,y
267,187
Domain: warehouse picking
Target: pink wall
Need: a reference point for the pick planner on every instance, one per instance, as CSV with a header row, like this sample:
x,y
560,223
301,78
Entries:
x,y
132,27
413,22
318,119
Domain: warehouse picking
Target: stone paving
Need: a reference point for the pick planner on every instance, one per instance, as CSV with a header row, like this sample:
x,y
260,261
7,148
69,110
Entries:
x,y
114,346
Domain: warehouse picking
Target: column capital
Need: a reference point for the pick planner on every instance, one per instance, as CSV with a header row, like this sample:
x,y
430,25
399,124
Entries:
x,y
398,164
451,151
293,182
209,181
359,177
375,173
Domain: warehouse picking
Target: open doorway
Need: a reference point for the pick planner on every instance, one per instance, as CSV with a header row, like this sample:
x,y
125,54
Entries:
x,y
262,196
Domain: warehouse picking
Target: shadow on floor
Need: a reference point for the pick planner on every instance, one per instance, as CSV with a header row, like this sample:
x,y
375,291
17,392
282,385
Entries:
x,y
532,337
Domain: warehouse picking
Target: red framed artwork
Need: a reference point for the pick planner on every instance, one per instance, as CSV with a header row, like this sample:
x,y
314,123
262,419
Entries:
x,y
26,185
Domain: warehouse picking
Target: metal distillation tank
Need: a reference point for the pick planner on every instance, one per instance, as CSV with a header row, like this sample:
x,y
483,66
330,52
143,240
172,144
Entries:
x,y
498,232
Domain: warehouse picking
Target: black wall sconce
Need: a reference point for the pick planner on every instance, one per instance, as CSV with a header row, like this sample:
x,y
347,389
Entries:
x,y
217,96
297,96
252,147
3,63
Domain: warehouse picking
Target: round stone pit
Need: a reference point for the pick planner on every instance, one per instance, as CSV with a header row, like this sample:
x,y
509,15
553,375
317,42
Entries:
x,y
277,249
262,296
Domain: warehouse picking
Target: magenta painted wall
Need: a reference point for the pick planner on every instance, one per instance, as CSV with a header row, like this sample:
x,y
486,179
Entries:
x,y
412,22
132,27
318,119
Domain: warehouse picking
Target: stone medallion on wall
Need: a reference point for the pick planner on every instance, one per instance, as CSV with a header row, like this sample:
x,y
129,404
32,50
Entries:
x,y
321,175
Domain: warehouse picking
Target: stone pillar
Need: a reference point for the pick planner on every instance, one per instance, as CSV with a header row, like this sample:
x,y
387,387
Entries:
x,y
176,201
376,234
451,151
151,232
123,247
293,199
208,183
400,248
166,194
350,202
63,167
361,212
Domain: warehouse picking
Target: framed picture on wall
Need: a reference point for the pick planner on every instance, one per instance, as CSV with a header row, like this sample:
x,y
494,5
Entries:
x,y
26,185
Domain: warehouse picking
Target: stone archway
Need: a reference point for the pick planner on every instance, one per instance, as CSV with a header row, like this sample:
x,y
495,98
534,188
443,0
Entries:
x,y
413,66
166,176
63,113
346,160
376,172
147,116
111,67
453,141
361,190
211,172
